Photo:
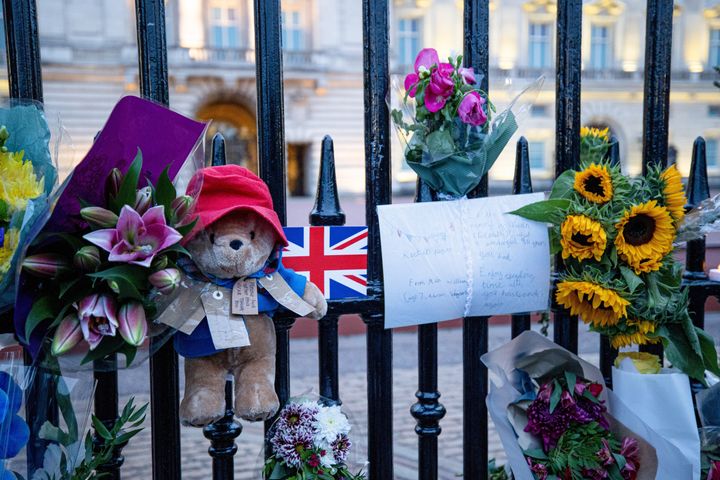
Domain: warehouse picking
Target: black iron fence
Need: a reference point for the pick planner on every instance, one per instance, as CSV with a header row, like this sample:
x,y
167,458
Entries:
x,y
24,74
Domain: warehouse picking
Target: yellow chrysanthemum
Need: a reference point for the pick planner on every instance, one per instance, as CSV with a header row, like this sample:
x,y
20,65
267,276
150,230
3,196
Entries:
x,y
594,183
19,182
582,237
626,339
7,250
645,236
644,362
593,303
674,193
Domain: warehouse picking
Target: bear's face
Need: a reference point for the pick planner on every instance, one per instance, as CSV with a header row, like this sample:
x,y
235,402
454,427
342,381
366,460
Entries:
x,y
235,246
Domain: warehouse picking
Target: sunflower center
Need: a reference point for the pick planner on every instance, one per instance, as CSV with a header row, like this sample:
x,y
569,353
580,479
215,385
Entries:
x,y
581,239
593,184
639,230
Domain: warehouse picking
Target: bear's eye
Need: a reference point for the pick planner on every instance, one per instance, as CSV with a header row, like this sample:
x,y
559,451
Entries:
x,y
252,235
212,238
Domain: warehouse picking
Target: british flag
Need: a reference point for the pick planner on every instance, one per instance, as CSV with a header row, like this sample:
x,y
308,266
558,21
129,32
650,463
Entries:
x,y
333,258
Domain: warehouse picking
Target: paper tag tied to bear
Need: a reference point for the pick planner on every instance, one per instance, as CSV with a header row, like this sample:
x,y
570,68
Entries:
x,y
245,297
278,288
227,330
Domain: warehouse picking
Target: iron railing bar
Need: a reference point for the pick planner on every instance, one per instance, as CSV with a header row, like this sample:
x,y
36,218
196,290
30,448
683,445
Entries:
x,y
656,100
522,183
567,127
698,190
427,411
476,22
376,80
25,82
327,212
164,376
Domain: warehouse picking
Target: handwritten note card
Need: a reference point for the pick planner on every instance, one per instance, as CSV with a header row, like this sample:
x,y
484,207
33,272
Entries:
x,y
446,260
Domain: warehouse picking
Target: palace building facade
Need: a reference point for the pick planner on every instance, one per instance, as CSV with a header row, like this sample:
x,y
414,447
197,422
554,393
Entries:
x,y
89,57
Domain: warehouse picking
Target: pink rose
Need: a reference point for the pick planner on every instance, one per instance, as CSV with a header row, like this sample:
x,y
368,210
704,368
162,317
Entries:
x,y
471,109
425,60
441,87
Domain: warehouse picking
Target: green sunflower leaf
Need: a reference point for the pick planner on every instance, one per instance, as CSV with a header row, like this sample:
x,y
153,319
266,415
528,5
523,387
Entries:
x,y
563,187
547,211
631,279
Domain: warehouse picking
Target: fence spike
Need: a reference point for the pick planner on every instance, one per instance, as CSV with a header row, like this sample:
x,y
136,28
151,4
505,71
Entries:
x,y
327,209
697,187
218,150
613,153
522,181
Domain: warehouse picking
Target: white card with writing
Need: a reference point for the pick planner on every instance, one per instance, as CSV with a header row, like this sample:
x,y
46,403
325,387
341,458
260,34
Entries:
x,y
446,260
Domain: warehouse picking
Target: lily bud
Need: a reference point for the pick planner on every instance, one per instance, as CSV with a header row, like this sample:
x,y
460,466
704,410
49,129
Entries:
x,y
99,216
159,262
143,200
48,265
166,281
67,335
181,207
132,323
113,182
87,258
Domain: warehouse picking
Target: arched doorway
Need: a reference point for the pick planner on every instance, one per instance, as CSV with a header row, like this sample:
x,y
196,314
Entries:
x,y
237,124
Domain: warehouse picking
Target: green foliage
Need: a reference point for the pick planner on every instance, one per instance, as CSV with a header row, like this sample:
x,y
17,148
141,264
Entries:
x,y
128,187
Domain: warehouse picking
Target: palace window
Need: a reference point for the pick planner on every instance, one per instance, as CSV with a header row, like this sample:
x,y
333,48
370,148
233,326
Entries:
x,y
224,29
539,42
536,155
600,47
408,40
293,31
714,59
712,152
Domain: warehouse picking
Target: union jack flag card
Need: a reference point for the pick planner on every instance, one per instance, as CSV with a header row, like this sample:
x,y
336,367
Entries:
x,y
333,258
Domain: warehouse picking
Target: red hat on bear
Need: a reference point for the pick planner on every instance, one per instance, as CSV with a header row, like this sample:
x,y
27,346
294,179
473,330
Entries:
x,y
230,188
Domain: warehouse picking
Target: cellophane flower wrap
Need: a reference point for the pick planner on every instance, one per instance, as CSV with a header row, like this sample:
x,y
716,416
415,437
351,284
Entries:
x,y
310,440
616,237
104,267
447,124
28,185
556,419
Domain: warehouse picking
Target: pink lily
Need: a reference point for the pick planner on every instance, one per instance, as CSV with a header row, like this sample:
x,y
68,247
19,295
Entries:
x,y
133,325
136,239
97,314
425,60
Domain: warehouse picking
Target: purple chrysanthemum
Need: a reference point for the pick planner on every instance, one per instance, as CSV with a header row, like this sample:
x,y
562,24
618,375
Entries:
x,y
288,445
341,448
296,416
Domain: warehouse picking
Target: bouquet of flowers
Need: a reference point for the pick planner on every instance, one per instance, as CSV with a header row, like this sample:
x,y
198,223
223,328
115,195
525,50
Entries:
x,y
101,285
103,267
556,419
710,453
28,179
615,235
445,123
310,441
570,419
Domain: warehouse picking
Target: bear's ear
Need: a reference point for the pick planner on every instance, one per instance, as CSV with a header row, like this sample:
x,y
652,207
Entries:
x,y
212,238
252,235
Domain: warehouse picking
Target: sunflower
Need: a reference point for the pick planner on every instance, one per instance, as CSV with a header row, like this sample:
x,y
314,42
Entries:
x,y
626,339
594,183
673,193
645,236
594,303
582,237
595,133
7,249
643,326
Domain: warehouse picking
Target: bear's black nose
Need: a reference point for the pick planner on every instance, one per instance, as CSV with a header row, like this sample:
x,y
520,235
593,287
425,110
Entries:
x,y
236,244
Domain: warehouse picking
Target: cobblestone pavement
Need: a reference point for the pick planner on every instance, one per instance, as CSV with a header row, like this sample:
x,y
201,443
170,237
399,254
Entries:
x,y
196,463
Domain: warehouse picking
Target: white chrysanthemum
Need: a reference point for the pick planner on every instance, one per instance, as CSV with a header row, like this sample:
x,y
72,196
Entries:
x,y
331,422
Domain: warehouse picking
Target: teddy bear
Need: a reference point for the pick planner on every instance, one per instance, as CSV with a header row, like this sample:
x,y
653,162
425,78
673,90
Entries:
x,y
238,237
